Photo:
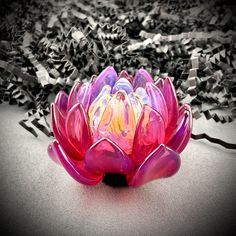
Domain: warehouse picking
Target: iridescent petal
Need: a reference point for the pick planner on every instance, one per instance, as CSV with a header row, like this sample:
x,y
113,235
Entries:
x,y
123,84
172,106
150,132
58,127
124,74
108,76
157,101
76,169
77,129
141,78
162,162
118,122
73,96
143,96
61,102
106,157
180,138
98,106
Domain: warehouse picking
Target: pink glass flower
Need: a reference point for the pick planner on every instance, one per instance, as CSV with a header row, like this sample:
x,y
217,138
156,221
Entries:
x,y
120,124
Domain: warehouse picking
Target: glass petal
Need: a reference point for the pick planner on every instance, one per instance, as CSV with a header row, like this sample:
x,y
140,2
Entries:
x,y
141,78
77,129
180,138
122,84
108,76
118,122
157,101
98,106
125,74
77,169
61,102
137,105
159,83
58,126
172,106
52,152
150,132
73,96
106,157
163,162
143,96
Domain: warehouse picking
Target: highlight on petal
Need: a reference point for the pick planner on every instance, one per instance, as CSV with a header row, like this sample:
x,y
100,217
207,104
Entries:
x,y
169,94
181,136
61,102
98,107
157,101
73,96
77,170
150,132
162,162
123,84
118,122
106,77
106,157
141,78
143,96
77,129
58,127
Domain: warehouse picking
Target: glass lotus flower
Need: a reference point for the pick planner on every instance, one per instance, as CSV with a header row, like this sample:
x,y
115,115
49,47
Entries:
x,y
120,124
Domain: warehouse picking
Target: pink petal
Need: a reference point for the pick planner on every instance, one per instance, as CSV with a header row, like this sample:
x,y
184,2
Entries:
x,y
150,132
162,162
77,170
141,78
159,83
157,101
58,126
169,94
84,94
106,157
77,129
61,102
180,138
73,96
107,76
125,74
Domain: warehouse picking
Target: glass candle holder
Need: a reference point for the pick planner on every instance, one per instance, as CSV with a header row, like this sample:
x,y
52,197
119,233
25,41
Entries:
x,y
120,125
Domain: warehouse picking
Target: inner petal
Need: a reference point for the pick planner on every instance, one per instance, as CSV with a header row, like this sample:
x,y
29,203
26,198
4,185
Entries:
x,y
98,107
118,122
123,84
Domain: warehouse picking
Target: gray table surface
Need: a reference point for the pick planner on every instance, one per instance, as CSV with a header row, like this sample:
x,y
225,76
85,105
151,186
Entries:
x,y
40,198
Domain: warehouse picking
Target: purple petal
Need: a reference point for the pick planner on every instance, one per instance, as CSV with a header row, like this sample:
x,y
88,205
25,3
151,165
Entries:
x,y
106,157
161,163
108,76
123,84
141,78
61,102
